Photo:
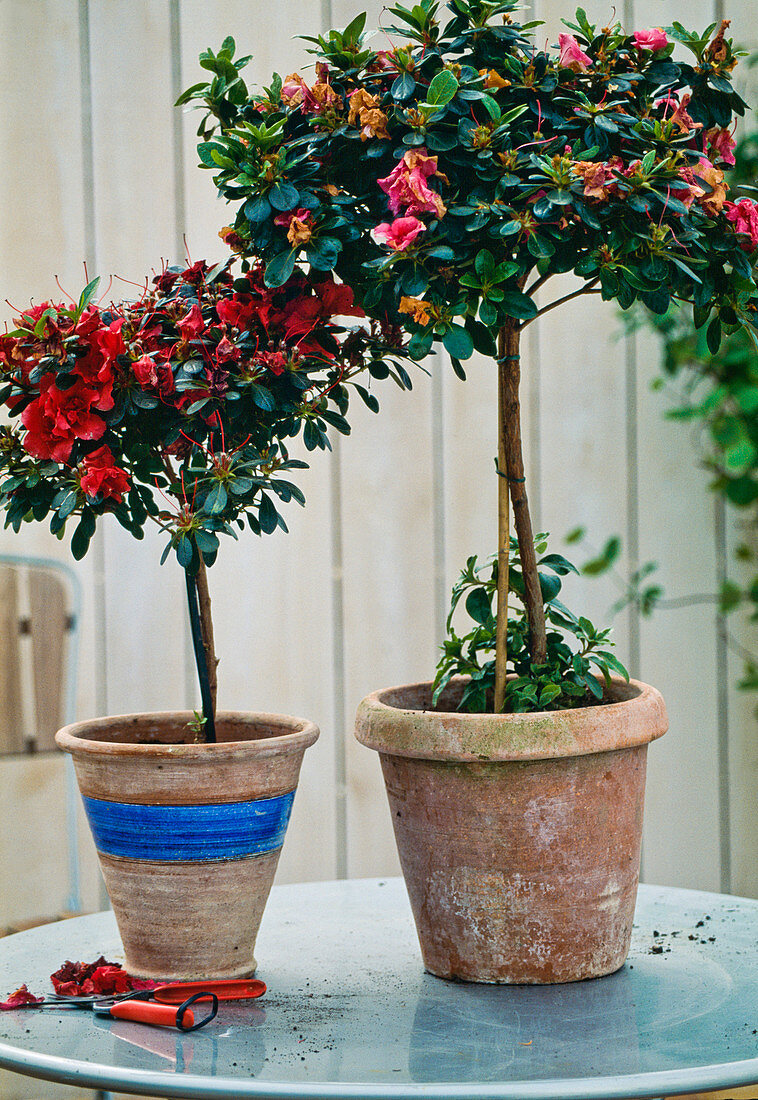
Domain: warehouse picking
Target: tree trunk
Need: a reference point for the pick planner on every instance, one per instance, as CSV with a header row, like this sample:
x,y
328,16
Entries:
x,y
504,348
206,626
512,472
199,604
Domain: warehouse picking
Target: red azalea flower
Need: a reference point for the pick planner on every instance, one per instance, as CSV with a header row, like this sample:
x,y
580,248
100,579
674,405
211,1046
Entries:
x,y
165,280
195,275
110,340
110,979
192,324
238,312
101,475
145,372
58,417
336,299
276,361
226,351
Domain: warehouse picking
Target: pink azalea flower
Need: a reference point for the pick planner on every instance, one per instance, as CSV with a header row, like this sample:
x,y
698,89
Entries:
x,y
677,112
744,216
572,56
406,186
720,145
655,39
399,233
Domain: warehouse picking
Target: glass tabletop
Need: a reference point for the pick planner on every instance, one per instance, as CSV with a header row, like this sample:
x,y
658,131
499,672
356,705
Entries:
x,y
351,1014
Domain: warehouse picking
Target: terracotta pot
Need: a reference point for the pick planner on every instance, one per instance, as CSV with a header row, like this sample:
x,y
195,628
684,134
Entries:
x,y
188,835
519,834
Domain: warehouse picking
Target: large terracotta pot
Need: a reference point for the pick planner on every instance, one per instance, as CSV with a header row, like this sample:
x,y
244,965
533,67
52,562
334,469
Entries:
x,y
188,835
519,834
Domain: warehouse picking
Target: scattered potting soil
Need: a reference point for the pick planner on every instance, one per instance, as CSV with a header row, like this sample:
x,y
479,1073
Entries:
x,y
661,948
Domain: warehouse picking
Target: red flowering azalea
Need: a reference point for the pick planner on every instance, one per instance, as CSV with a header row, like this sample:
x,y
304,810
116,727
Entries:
x,y
238,312
59,417
102,476
145,372
192,324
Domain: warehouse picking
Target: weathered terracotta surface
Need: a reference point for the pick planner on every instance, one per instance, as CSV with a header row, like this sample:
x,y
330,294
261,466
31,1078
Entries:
x,y
197,914
519,835
123,754
188,921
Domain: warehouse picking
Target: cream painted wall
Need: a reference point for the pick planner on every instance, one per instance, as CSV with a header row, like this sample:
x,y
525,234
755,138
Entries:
x,y
96,165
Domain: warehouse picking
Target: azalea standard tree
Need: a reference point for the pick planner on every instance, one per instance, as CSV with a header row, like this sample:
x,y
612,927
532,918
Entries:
x,y
451,177
177,409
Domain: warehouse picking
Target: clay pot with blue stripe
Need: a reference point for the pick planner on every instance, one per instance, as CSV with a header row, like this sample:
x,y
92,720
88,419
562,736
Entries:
x,y
188,835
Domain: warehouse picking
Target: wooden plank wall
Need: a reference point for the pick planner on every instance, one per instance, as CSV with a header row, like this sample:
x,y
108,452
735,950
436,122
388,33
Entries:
x,y
98,166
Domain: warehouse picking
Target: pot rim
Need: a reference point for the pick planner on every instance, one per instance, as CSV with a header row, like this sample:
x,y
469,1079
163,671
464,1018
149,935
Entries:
x,y
635,719
297,734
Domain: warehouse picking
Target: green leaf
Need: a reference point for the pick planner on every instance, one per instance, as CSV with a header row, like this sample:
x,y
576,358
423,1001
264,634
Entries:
x,y
713,335
216,500
267,515
458,342
185,552
82,536
487,313
484,264
403,87
478,605
442,89
280,269
518,305
283,196
353,31
207,541
87,295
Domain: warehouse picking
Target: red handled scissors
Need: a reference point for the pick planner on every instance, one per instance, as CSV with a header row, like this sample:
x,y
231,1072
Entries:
x,y
167,1005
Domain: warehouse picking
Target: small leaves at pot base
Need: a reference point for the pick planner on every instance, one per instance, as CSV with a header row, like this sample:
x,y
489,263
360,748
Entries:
x,y
577,651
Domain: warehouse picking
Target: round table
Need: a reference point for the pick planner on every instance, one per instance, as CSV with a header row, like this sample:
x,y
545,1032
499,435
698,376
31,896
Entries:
x,y
350,1013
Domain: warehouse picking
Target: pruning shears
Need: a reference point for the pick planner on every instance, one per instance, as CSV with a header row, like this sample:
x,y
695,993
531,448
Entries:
x,y
167,1005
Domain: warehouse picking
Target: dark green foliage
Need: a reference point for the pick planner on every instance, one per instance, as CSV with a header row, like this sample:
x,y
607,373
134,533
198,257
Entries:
x,y
569,676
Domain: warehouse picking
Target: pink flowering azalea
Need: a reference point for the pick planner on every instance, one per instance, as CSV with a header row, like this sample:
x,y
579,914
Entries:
x,y
677,112
744,216
720,145
655,39
406,186
572,56
398,234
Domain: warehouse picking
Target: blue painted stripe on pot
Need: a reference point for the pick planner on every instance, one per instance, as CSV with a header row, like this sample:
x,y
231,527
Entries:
x,y
172,834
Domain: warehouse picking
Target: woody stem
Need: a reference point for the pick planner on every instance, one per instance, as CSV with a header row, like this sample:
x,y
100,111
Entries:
x,y
512,473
